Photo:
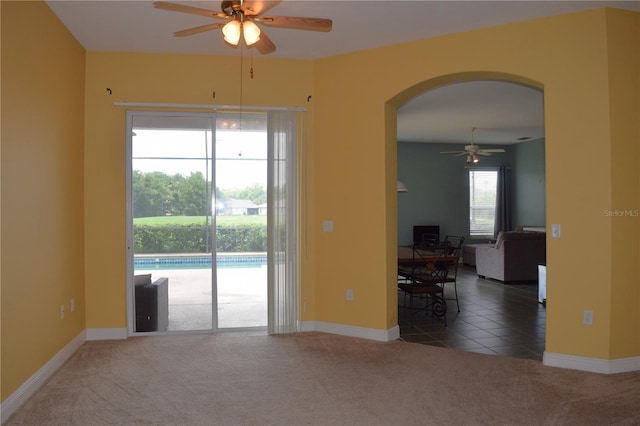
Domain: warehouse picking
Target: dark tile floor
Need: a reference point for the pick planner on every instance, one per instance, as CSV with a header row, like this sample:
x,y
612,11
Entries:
x,y
494,318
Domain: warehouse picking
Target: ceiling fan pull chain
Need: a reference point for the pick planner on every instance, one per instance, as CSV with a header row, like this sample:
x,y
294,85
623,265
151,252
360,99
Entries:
x,y
251,69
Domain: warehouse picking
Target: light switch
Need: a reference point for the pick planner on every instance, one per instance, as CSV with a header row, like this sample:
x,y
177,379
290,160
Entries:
x,y
327,226
350,295
555,230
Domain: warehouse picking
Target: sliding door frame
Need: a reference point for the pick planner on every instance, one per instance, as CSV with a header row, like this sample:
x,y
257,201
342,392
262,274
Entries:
x,y
292,229
130,294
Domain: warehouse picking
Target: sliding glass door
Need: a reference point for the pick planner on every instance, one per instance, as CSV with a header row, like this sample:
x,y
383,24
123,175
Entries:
x,y
211,221
171,221
241,220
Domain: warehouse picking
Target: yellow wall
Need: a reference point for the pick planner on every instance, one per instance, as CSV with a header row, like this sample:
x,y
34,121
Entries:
x,y
624,115
133,77
565,55
65,201
42,189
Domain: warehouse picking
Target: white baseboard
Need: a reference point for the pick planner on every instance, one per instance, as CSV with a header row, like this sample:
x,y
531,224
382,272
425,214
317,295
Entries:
x,y
33,383
106,333
594,365
352,331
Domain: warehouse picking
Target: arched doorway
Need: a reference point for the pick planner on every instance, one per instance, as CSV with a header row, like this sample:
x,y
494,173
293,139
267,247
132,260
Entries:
x,y
507,112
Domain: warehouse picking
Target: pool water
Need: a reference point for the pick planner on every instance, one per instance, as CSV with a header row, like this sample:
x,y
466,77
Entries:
x,y
198,262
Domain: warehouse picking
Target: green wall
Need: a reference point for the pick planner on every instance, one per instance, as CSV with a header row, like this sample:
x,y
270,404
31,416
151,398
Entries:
x,y
439,188
529,183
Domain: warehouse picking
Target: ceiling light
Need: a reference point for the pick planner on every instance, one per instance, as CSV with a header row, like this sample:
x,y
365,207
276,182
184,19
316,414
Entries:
x,y
251,32
231,32
235,29
475,158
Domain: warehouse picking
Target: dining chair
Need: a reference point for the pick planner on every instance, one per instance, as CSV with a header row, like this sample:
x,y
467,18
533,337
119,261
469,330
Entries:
x,y
426,279
454,244
426,245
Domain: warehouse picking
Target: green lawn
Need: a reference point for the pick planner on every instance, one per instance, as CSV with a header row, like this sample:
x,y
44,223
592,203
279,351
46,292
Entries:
x,y
234,220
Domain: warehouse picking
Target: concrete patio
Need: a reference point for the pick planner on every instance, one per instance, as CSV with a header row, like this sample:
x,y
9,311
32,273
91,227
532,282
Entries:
x,y
242,297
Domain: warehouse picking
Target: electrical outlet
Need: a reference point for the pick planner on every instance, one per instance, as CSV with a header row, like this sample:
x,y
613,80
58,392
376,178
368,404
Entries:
x,y
61,311
350,295
555,230
587,317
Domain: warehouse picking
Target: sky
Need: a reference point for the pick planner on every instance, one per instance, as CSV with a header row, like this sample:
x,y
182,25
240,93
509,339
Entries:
x,y
240,155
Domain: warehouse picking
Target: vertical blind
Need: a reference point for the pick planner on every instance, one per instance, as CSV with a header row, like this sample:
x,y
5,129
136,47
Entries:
x,y
482,202
282,222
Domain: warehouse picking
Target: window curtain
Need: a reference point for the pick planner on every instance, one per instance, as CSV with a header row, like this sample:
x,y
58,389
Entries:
x,y
503,201
282,222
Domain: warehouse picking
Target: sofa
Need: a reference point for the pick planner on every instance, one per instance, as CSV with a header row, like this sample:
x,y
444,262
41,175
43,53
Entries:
x,y
514,257
469,253
469,250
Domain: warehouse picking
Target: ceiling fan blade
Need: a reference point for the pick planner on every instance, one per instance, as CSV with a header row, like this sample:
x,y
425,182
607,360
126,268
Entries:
x,y
453,152
484,153
297,23
201,29
493,150
256,7
176,7
264,45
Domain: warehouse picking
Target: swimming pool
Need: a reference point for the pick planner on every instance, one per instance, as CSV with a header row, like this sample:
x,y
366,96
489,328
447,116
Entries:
x,y
223,260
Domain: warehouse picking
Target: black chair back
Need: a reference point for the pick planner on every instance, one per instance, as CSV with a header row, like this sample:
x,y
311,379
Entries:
x,y
455,244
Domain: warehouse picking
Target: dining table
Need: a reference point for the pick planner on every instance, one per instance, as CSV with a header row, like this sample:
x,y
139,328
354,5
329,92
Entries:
x,y
410,255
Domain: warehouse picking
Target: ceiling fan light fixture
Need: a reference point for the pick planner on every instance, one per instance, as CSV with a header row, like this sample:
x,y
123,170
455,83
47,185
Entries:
x,y
475,158
251,32
231,32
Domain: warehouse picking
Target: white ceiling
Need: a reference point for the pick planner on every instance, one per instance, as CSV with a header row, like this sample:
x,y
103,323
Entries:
x,y
502,112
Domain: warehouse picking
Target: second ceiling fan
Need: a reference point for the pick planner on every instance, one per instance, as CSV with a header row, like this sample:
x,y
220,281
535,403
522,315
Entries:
x,y
472,151
239,18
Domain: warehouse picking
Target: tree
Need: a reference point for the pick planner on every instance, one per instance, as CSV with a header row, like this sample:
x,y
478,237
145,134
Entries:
x,y
256,193
158,194
151,194
190,195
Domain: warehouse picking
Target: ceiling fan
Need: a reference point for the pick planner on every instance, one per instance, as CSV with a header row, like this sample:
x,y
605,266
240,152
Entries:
x,y
239,18
472,151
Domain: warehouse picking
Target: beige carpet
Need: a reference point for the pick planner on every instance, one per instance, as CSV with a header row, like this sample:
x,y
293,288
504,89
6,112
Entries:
x,y
315,378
